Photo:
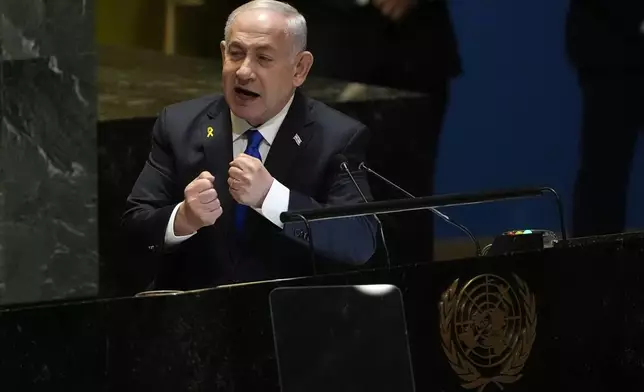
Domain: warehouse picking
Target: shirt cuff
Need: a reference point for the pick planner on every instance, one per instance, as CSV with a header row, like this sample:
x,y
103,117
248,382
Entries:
x,y
170,238
275,202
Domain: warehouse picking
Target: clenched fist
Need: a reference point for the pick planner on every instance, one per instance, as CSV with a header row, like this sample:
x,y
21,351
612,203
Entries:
x,y
249,181
200,207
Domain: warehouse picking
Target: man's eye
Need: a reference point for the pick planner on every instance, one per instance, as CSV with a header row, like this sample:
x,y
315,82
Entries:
x,y
265,58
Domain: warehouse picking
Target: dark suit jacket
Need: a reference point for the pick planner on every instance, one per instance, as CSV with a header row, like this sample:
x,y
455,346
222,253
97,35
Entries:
x,y
217,254
605,35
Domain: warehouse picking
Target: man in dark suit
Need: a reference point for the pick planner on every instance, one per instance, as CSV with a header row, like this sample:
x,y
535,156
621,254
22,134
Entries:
x,y
222,169
605,41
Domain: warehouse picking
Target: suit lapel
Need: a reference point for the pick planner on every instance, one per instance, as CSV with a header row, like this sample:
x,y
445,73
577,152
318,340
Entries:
x,y
291,139
218,151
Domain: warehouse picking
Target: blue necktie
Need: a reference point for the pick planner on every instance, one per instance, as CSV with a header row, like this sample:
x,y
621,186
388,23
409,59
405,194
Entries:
x,y
252,148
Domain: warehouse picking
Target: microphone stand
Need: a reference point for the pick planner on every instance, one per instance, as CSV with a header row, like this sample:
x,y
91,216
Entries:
x,y
345,167
444,217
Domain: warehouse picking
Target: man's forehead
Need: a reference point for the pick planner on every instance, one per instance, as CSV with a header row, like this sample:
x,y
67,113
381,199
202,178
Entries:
x,y
260,22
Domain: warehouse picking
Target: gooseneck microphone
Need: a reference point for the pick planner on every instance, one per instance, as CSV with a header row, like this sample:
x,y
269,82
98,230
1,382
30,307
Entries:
x,y
345,167
444,217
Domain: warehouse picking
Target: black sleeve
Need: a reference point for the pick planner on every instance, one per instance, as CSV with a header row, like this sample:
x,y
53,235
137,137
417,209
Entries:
x,y
154,195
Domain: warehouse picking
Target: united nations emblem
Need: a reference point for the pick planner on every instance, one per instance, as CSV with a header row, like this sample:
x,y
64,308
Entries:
x,y
487,330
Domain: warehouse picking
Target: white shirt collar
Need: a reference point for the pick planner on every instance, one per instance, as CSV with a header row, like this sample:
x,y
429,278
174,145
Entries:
x,y
268,129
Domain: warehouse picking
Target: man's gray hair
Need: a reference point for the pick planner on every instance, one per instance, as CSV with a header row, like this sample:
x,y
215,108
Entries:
x,y
296,22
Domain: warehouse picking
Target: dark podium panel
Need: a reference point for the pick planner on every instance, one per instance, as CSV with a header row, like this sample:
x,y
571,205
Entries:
x,y
341,338
569,318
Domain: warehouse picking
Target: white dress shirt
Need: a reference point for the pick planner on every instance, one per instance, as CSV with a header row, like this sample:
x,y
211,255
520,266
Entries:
x,y
277,198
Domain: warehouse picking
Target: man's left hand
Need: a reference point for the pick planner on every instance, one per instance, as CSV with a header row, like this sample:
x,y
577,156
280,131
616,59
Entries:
x,y
395,9
249,181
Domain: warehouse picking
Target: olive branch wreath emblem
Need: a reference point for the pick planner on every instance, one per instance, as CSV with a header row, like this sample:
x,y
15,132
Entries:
x,y
510,371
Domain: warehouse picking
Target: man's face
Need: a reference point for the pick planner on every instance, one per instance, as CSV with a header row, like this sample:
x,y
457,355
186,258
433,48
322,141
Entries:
x,y
261,69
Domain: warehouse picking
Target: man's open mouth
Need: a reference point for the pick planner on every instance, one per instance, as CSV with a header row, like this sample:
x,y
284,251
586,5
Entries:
x,y
245,93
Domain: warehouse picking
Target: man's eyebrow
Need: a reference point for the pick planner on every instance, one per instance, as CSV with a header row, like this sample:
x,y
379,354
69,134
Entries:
x,y
259,48
265,47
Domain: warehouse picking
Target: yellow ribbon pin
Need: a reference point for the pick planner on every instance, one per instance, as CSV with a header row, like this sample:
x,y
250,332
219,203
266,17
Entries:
x,y
210,131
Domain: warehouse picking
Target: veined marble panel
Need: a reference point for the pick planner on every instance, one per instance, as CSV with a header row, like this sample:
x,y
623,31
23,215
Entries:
x,y
48,206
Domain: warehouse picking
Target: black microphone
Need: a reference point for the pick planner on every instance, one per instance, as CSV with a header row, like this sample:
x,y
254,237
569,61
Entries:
x,y
444,217
345,167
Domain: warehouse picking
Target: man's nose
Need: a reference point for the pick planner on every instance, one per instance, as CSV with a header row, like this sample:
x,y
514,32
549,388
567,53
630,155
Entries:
x,y
245,71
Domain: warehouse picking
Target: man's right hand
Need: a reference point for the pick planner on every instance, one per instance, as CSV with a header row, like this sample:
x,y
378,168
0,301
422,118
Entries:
x,y
200,207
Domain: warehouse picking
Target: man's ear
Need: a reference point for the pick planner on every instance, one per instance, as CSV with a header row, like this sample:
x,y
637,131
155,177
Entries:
x,y
222,46
303,64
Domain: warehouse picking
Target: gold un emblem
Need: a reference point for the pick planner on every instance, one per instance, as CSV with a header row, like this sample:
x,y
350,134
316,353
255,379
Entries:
x,y
487,330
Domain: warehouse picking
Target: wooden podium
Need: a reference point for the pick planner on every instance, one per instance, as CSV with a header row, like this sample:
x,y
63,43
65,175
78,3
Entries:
x,y
568,318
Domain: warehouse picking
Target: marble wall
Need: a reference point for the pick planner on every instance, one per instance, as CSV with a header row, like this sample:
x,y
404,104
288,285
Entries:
x,y
48,206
